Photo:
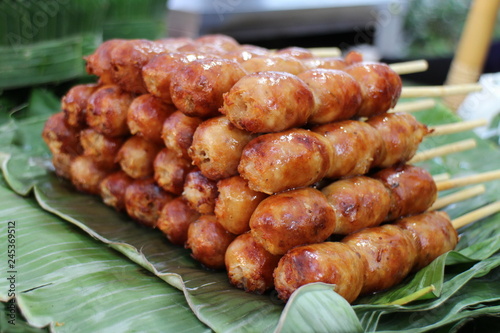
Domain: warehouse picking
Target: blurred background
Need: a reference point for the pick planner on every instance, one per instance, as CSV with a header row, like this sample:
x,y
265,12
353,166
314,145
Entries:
x,y
44,41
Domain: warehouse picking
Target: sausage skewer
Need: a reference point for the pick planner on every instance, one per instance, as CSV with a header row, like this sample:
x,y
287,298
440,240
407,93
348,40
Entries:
x,y
255,102
458,196
356,203
342,149
385,261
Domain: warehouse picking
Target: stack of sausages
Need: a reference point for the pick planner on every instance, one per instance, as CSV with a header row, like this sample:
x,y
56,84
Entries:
x,y
240,153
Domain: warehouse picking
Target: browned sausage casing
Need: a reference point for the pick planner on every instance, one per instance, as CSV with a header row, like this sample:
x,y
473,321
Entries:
x,y
100,148
433,233
170,171
249,266
295,52
327,262
285,220
177,133
174,43
112,189
74,104
60,137
380,87
175,218
99,62
136,157
157,74
401,134
412,188
337,95
198,86
144,200
208,241
268,102
355,145
389,253
217,147
200,192
62,164
85,174
107,110
358,202
146,115
245,52
235,204
128,58
227,43
277,63
325,62
278,161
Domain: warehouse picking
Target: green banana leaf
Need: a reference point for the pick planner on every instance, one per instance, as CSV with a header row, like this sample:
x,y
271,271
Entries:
x,y
68,281
457,287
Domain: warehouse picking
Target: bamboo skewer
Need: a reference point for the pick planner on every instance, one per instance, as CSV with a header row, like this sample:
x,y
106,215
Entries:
x,y
440,177
444,150
322,52
458,196
438,91
409,67
474,179
406,67
457,127
413,106
476,215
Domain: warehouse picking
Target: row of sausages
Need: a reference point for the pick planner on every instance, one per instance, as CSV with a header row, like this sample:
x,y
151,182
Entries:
x,y
271,162
260,91
370,260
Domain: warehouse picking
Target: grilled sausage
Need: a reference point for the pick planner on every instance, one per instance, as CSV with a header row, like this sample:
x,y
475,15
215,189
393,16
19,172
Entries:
x,y
112,189
327,262
278,161
177,133
107,110
356,146
358,202
217,147
235,204
412,190
100,148
170,171
389,253
256,104
285,220
146,115
60,137
144,200
200,192
380,87
249,266
198,86
433,233
401,134
136,157
337,96
74,104
174,220
208,241
85,174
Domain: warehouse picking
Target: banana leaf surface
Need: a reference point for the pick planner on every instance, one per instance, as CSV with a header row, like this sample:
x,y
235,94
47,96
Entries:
x,y
82,267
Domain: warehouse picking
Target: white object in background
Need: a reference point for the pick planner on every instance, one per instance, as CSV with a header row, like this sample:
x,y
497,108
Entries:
x,y
484,104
